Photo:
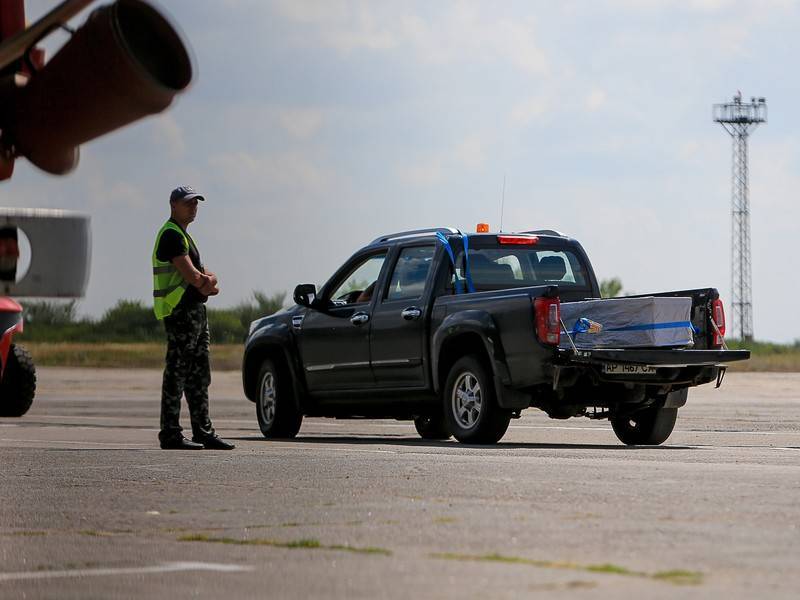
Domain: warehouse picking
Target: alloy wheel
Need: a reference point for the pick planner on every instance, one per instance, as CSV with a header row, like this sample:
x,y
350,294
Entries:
x,y
267,399
467,400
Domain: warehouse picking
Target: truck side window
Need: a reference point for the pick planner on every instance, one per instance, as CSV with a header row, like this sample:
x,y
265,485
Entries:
x,y
357,286
410,272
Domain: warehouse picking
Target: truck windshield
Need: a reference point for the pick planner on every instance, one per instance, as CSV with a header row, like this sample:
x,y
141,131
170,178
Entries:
x,y
506,267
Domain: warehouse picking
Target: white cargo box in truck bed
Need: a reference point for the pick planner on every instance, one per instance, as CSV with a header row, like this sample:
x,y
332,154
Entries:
x,y
641,322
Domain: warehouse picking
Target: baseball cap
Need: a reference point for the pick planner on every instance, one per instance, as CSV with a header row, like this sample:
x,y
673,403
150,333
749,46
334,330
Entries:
x,y
184,192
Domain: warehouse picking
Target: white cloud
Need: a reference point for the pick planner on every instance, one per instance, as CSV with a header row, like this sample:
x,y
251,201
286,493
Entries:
x,y
300,123
595,99
167,134
530,110
423,173
311,11
258,173
737,8
470,153
457,33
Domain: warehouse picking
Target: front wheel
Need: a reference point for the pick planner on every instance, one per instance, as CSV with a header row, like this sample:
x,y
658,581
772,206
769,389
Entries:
x,y
470,407
18,385
648,427
277,414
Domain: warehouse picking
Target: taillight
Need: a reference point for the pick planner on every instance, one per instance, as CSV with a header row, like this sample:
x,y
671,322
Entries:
x,y
718,317
547,312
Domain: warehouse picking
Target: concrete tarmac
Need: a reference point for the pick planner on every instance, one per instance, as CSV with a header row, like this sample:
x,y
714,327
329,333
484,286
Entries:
x,y
91,508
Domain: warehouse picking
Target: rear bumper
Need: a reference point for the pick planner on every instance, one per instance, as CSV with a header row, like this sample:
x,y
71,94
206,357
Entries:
x,y
684,368
654,357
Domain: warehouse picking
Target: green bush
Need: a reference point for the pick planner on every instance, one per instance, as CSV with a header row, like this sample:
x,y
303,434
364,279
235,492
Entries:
x,y
133,321
225,326
610,288
130,320
49,313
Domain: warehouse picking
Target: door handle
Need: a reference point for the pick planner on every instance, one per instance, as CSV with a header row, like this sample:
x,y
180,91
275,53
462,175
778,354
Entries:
x,y
359,318
411,313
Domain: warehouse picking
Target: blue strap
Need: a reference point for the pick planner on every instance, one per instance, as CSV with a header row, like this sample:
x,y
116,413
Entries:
x,y
449,251
649,326
468,275
582,326
446,244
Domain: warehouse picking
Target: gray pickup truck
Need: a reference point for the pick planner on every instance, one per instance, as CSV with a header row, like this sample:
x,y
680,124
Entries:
x,y
460,333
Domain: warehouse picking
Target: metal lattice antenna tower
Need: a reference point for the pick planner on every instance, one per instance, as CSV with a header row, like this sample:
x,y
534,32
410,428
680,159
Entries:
x,y
739,119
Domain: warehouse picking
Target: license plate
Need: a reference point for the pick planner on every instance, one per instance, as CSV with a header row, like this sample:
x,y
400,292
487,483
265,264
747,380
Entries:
x,y
625,369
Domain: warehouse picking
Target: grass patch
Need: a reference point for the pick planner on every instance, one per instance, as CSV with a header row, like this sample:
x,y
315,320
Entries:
x,y
111,533
780,363
70,566
679,577
228,357
766,356
676,577
613,569
308,543
224,357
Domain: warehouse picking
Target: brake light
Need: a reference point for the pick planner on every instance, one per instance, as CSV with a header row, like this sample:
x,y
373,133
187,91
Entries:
x,y
718,317
547,313
524,240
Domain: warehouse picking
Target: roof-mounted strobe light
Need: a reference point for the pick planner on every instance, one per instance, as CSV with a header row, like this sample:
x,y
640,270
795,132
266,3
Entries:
x,y
482,228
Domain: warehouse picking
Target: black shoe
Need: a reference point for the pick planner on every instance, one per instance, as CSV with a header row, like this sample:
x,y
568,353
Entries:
x,y
213,442
180,443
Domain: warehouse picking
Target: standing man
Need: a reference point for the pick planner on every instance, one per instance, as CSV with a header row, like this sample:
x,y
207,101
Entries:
x,y
181,287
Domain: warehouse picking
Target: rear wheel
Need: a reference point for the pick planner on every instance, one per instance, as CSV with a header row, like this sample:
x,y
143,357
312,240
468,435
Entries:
x,y
18,385
470,407
648,427
432,427
277,413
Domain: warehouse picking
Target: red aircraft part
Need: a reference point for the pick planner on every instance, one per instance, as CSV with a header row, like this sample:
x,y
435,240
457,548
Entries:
x,y
10,323
12,20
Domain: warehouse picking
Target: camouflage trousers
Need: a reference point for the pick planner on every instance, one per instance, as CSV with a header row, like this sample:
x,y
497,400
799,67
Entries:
x,y
186,372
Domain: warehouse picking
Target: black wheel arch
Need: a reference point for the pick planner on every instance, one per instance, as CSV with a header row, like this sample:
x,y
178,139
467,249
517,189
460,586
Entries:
x,y
467,332
269,348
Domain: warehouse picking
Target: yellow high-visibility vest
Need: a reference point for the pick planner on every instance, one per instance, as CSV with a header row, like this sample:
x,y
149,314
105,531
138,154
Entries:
x,y
168,284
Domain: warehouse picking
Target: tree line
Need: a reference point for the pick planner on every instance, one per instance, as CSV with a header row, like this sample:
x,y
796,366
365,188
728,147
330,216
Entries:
x,y
133,321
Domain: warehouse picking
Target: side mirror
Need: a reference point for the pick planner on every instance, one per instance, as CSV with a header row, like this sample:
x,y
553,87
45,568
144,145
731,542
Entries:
x,y
305,294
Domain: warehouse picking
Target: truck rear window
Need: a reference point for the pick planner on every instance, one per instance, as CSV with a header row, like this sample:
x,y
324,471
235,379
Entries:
x,y
502,268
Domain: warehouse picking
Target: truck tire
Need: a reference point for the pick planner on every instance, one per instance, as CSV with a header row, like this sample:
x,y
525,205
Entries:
x,y
18,385
277,414
648,427
432,427
470,408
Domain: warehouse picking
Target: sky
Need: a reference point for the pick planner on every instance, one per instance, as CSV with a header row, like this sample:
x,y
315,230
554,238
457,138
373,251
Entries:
x,y
314,127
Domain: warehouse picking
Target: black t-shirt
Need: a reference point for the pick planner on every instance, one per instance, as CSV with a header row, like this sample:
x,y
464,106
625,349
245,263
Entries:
x,y
170,246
